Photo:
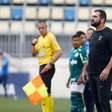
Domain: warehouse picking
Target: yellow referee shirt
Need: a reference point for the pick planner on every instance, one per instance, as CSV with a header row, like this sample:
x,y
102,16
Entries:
x,y
46,48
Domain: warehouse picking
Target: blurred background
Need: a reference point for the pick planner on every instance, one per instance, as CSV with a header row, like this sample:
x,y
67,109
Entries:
x,y
18,20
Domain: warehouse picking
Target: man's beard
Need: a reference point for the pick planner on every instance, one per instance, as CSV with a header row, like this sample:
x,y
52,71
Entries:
x,y
95,24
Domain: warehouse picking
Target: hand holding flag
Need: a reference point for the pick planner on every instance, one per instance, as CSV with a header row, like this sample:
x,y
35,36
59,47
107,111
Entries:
x,y
35,90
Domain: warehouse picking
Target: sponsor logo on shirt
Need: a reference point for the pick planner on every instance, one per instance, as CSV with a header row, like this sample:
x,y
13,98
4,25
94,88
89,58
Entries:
x,y
100,37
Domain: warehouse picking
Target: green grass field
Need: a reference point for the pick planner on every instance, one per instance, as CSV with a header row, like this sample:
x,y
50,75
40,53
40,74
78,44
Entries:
x,y
11,105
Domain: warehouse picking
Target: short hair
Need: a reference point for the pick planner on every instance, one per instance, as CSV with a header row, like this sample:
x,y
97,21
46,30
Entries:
x,y
74,36
41,21
90,29
78,34
102,14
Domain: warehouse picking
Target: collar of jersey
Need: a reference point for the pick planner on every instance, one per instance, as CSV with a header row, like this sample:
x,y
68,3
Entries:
x,y
78,49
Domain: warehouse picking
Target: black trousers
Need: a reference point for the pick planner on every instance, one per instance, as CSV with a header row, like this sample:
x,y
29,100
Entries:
x,y
101,92
88,98
47,77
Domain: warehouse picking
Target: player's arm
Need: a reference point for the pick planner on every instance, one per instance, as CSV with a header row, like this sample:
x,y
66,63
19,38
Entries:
x,y
52,62
109,65
57,56
82,78
104,74
68,82
69,78
34,52
84,59
6,62
84,74
57,49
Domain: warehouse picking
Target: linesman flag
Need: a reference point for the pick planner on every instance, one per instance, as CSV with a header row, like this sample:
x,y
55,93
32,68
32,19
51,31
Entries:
x,y
35,90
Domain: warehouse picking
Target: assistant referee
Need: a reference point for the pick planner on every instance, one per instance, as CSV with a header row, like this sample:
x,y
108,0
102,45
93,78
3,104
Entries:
x,y
48,51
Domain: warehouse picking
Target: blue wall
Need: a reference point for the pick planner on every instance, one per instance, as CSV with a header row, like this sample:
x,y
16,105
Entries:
x,y
19,80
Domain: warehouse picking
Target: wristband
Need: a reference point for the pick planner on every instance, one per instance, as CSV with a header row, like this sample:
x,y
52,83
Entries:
x,y
33,44
51,64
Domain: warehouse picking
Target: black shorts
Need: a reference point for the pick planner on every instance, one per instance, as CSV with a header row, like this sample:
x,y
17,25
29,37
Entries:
x,y
46,77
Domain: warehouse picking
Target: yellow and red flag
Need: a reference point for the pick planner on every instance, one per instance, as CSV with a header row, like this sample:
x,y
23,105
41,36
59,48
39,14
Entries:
x,y
35,90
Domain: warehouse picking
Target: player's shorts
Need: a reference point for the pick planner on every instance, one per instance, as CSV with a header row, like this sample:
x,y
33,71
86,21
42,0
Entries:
x,y
46,77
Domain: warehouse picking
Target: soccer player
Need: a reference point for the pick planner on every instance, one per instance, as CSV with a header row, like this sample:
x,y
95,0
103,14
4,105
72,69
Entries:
x,y
77,65
4,66
49,51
